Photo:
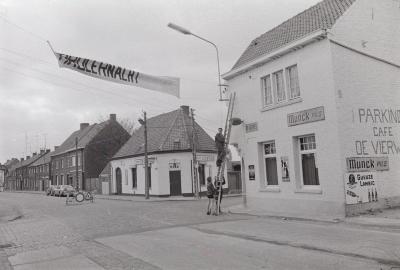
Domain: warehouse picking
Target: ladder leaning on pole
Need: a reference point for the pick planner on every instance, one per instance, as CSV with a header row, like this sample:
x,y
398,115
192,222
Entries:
x,y
227,134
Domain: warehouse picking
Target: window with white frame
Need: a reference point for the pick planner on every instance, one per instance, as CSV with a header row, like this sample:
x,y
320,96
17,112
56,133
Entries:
x,y
271,171
267,90
279,86
309,168
292,82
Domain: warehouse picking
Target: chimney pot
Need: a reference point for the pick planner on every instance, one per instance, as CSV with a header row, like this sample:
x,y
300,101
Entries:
x,y
113,117
41,151
185,109
28,157
83,125
22,159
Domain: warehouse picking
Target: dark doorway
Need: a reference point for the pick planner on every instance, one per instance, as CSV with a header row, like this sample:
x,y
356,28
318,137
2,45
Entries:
x,y
175,183
118,178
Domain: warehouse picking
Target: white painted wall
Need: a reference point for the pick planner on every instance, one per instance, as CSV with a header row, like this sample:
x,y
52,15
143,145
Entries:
x,y
365,83
316,86
371,26
160,184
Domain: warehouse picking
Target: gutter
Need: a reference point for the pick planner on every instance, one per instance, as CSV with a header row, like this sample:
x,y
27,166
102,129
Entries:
x,y
277,53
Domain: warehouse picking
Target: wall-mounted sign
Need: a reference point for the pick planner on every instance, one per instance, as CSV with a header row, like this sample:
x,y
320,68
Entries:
x,y
141,161
362,164
252,172
285,169
251,127
361,187
306,116
174,165
204,158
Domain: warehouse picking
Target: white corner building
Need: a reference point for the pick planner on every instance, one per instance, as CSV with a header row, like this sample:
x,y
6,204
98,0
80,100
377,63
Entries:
x,y
319,97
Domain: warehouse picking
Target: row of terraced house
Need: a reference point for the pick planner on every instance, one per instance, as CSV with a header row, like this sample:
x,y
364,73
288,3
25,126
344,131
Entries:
x,y
106,158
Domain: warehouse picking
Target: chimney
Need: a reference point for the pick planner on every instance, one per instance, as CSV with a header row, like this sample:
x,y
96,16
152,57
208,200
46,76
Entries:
x,y
41,151
47,150
84,125
185,109
113,117
34,154
22,159
28,157
55,148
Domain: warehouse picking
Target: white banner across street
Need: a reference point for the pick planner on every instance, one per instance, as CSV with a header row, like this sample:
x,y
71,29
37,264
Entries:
x,y
109,72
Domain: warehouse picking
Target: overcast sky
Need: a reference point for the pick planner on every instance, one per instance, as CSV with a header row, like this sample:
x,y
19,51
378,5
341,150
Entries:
x,y
43,104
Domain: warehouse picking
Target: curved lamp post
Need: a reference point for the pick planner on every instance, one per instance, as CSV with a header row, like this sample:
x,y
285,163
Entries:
x,y
187,32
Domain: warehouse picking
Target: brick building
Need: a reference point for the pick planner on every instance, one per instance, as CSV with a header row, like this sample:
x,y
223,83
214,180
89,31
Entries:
x,y
93,145
319,99
39,171
25,174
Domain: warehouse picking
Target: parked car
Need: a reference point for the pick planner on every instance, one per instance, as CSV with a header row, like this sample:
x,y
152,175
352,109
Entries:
x,y
64,190
67,189
56,191
49,190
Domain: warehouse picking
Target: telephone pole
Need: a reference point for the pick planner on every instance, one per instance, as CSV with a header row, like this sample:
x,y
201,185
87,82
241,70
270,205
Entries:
x,y
195,175
76,163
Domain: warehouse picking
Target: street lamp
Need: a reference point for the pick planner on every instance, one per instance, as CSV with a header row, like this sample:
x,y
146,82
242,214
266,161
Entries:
x,y
143,122
187,32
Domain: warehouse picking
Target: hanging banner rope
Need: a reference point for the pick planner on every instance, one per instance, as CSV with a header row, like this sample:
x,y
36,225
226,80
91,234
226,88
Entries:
x,y
109,72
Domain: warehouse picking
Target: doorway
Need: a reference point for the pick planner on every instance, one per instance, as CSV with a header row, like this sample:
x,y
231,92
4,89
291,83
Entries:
x,y
118,178
175,183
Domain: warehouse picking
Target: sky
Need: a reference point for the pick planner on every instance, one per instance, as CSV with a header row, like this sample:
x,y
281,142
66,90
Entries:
x,y
41,104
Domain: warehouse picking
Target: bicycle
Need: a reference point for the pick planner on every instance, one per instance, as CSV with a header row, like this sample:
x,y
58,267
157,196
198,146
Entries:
x,y
81,196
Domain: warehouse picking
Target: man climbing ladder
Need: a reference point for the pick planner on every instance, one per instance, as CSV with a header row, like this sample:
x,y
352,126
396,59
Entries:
x,y
222,143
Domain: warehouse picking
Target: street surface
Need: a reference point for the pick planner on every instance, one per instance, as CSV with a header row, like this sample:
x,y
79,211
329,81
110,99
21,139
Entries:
x,y
40,232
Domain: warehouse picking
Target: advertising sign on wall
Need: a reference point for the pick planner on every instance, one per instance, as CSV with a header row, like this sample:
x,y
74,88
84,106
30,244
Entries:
x,y
285,169
252,172
361,187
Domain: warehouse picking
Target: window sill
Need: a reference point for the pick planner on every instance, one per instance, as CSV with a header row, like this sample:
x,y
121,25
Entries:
x,y
282,104
311,190
270,189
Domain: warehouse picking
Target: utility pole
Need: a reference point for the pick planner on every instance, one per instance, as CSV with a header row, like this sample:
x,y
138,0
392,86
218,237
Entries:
x,y
195,178
76,163
146,159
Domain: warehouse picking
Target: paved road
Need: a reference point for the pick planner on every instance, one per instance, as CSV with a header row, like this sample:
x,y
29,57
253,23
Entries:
x,y
46,234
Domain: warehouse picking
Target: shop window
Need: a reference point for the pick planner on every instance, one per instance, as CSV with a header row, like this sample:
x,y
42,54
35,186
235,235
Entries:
x,y
279,86
134,177
308,160
271,171
266,90
292,81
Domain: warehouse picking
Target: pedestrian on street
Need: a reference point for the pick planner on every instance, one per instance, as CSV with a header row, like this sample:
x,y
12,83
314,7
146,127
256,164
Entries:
x,y
218,186
220,145
210,195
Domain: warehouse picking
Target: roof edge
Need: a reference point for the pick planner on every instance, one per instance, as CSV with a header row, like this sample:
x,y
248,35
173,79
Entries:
x,y
162,152
289,47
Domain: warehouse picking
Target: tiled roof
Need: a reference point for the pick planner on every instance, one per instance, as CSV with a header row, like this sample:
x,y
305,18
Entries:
x,y
29,161
164,131
320,16
84,137
43,159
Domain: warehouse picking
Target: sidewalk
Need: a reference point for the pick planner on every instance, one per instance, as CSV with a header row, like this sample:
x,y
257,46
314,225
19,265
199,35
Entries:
x,y
387,218
127,197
